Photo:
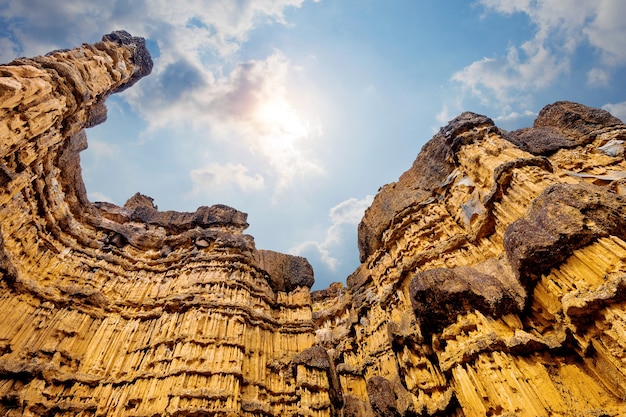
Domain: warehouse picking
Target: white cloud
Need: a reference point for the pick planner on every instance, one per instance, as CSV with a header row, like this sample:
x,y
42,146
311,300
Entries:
x,y
249,107
215,176
618,110
224,23
451,107
561,27
607,30
100,149
555,20
531,66
350,211
98,196
344,217
598,77
507,6
8,50
443,117
515,116
197,78
182,28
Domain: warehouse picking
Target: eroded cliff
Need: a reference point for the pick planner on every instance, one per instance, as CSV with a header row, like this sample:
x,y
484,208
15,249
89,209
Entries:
x,y
112,310
493,276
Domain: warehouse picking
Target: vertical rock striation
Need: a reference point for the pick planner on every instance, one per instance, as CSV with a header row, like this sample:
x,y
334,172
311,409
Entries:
x,y
492,282
493,276
120,311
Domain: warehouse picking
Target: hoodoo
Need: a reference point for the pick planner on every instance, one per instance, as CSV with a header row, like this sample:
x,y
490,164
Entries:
x,y
492,278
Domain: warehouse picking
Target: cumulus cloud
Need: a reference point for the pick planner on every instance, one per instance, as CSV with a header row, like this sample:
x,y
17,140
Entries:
x,y
249,107
617,109
444,116
182,28
102,149
515,116
526,68
607,30
215,176
560,28
197,77
8,50
450,108
598,77
344,217
98,196
39,26
350,211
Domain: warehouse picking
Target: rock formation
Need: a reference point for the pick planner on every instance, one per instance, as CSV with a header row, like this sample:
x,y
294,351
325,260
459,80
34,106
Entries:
x,y
493,276
492,282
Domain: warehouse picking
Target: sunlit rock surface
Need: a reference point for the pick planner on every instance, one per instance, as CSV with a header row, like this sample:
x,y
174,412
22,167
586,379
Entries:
x,y
492,283
493,276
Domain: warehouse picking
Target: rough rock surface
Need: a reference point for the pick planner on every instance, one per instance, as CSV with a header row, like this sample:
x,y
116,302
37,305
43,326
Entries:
x,y
493,276
492,283
129,311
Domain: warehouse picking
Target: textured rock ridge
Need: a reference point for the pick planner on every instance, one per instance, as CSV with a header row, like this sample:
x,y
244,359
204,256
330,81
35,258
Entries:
x,y
493,276
129,311
492,282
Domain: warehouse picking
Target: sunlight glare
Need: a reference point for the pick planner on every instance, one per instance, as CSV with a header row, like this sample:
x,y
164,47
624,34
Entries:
x,y
281,120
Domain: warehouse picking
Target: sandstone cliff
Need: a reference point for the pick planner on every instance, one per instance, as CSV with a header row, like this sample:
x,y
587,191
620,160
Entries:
x,y
493,276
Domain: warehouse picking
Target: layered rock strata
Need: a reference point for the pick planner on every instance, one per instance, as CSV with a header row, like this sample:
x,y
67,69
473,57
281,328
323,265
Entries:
x,y
493,276
122,311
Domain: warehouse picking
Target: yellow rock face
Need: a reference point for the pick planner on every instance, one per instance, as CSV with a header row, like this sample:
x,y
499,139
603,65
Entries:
x,y
127,311
492,283
493,276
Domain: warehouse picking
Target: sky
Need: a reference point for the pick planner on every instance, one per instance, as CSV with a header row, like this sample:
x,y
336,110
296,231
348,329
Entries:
x,y
297,111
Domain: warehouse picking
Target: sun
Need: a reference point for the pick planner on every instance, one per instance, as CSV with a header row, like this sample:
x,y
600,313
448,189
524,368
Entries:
x,y
284,139
278,117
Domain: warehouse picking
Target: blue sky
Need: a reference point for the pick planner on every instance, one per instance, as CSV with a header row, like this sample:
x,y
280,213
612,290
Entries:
x,y
297,111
